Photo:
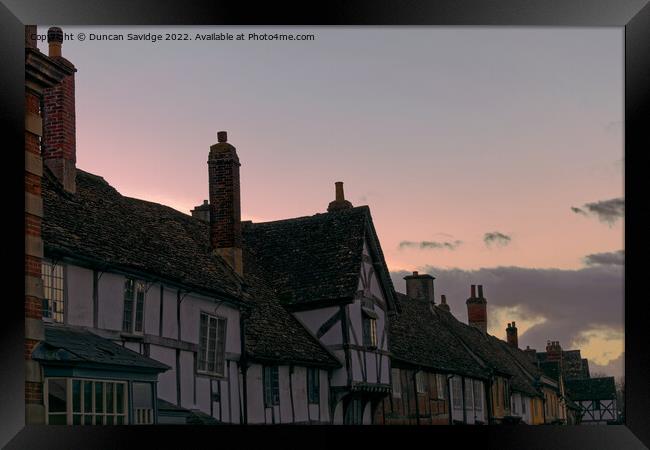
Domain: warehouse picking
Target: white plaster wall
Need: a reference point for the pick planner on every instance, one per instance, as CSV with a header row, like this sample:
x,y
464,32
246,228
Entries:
x,y
255,394
152,310
233,380
285,398
187,380
170,324
166,380
313,319
78,295
300,399
111,301
203,394
324,397
191,308
339,376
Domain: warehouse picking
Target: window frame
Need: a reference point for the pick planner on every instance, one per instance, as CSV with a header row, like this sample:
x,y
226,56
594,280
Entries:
x,y
478,397
271,385
440,385
202,360
70,412
46,263
139,287
369,331
420,382
396,382
313,386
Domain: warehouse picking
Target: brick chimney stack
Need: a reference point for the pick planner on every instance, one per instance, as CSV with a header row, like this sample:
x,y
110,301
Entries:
x,y
202,211
553,351
225,207
340,202
420,287
511,335
59,128
477,309
443,303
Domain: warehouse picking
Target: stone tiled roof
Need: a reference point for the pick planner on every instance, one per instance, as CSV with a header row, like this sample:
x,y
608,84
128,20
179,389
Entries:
x,y
591,388
97,223
316,258
527,367
273,334
573,365
418,336
74,345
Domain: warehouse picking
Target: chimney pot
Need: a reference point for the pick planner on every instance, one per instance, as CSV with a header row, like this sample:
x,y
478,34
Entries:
x,y
473,291
340,195
54,40
480,291
339,202
222,136
415,273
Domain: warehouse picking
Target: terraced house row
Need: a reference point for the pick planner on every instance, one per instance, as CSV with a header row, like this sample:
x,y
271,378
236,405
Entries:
x,y
137,313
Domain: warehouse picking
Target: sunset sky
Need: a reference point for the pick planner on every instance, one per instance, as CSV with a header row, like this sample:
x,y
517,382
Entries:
x,y
488,155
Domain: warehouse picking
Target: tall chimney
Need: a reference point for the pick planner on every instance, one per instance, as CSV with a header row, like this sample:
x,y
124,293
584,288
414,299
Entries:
x,y
443,303
225,207
420,287
59,129
477,310
511,335
339,202
553,351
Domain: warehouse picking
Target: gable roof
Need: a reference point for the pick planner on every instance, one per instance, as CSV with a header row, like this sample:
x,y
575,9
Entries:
x,y
272,333
591,388
74,345
418,336
525,364
99,225
317,258
573,364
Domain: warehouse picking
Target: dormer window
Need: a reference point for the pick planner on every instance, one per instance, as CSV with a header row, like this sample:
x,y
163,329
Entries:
x,y
133,317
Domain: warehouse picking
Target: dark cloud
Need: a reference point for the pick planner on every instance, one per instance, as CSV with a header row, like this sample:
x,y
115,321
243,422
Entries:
x,y
572,301
605,259
496,238
615,368
449,245
608,211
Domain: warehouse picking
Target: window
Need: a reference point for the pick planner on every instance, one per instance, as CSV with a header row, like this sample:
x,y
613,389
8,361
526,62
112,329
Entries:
x,y
72,401
142,403
420,382
440,385
478,398
523,405
469,401
354,413
133,306
397,385
369,331
271,386
212,344
52,291
456,392
313,385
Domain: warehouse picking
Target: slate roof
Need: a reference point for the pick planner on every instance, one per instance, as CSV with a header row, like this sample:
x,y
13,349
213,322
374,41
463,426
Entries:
x,y
316,258
492,352
591,388
273,333
528,367
192,417
99,224
418,336
573,365
74,345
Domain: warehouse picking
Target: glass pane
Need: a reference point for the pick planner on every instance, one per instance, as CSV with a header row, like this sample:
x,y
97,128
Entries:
x,y
99,397
119,398
109,420
76,419
57,419
88,396
109,397
120,420
76,395
57,395
88,419
138,311
142,395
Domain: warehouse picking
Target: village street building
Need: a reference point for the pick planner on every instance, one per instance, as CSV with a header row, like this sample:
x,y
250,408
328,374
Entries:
x,y
596,398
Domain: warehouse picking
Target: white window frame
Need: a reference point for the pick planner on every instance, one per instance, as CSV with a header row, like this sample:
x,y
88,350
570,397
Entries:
x,y
457,393
440,385
49,275
478,395
70,413
469,394
138,287
203,360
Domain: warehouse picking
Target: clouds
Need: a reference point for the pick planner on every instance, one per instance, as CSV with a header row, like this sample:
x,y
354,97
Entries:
x,y
554,304
607,211
605,259
496,238
431,245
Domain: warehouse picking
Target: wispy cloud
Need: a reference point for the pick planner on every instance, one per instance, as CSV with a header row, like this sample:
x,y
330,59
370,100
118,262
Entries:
x,y
605,259
608,211
431,245
496,238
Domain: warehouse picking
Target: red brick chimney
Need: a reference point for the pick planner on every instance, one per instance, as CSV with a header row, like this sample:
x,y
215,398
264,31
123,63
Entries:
x,y
553,351
477,309
443,303
340,202
511,335
225,208
59,141
420,287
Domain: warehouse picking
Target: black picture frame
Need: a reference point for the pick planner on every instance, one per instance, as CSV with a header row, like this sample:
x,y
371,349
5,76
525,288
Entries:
x,y
633,15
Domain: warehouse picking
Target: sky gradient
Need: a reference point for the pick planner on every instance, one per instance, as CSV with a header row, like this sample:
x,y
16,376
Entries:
x,y
470,145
